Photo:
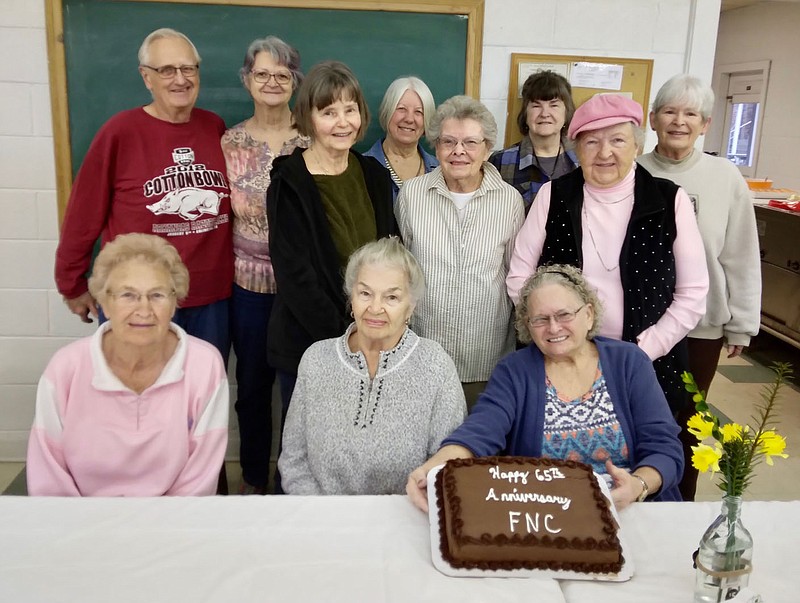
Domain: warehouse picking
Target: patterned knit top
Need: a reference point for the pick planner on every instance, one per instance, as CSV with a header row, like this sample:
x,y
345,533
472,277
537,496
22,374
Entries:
x,y
585,429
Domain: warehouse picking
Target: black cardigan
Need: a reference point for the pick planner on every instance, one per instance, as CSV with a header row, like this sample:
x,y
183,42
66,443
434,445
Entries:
x,y
646,262
310,304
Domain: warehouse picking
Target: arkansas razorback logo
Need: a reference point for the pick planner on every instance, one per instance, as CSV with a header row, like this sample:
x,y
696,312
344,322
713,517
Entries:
x,y
188,203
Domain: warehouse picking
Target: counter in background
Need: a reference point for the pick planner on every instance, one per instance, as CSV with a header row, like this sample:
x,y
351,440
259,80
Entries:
x,y
779,242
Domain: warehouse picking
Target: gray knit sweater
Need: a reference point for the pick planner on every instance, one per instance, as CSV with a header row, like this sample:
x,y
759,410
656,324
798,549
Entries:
x,y
347,434
727,222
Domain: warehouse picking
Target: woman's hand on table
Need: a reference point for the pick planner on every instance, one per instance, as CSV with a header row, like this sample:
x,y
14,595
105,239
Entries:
x,y
417,485
627,487
417,488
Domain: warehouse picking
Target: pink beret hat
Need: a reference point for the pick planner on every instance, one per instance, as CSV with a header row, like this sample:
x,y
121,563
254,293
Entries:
x,y
604,110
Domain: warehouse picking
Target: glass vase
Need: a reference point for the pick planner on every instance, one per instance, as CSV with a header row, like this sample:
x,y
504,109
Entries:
x,y
724,559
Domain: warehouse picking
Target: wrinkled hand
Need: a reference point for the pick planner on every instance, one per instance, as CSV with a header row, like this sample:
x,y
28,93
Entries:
x,y
625,489
417,485
83,306
735,350
417,488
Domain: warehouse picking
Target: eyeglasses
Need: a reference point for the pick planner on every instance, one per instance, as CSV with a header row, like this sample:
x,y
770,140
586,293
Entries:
x,y
281,78
170,71
560,318
130,298
469,144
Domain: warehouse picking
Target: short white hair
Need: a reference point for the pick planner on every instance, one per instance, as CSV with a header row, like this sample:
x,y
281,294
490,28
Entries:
x,y
164,32
687,90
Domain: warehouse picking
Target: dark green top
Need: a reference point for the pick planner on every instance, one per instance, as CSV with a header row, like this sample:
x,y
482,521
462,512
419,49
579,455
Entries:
x,y
351,217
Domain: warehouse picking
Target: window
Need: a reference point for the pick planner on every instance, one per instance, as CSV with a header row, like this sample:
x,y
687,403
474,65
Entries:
x,y
741,94
742,133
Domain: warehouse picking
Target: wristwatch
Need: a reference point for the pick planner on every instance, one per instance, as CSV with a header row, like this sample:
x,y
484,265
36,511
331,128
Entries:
x,y
645,489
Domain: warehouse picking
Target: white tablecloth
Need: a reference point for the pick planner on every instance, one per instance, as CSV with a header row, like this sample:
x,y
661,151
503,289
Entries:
x,y
663,536
371,549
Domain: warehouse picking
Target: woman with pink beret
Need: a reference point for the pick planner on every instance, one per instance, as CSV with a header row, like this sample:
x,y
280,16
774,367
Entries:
x,y
634,236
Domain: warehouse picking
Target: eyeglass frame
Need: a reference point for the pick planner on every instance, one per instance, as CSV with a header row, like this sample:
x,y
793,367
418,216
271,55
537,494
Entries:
x,y
136,297
468,144
271,75
560,318
195,69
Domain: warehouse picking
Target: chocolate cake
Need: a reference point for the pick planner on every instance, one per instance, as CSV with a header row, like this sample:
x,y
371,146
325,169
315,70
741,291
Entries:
x,y
518,512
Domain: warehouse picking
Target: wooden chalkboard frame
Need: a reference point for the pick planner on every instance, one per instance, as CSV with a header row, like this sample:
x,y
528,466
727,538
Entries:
x,y
472,9
636,80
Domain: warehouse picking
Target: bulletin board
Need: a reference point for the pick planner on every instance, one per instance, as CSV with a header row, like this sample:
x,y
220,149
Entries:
x,y
588,76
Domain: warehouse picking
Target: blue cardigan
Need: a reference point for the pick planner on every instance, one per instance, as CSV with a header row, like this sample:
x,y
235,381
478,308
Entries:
x,y
508,417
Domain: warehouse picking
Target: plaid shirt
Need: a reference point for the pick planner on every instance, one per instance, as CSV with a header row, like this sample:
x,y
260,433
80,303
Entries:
x,y
518,168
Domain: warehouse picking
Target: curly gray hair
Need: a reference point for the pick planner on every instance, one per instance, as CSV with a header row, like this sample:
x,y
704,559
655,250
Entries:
x,y
391,252
281,52
463,107
557,274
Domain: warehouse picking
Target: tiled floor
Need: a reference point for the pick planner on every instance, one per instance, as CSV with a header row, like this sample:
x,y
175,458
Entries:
x,y
734,392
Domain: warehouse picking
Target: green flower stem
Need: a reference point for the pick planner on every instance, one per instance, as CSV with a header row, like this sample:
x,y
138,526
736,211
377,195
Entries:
x,y
741,454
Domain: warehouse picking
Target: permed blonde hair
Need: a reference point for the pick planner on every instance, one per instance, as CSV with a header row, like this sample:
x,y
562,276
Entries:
x,y
136,246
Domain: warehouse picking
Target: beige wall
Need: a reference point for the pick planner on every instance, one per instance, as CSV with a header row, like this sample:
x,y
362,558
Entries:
x,y
768,31
678,34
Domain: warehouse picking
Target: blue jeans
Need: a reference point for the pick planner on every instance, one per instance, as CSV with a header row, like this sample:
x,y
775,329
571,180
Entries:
x,y
254,377
287,382
210,323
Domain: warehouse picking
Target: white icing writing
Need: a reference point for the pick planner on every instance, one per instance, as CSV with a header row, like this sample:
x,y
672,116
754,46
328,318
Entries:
x,y
531,522
513,477
548,475
524,497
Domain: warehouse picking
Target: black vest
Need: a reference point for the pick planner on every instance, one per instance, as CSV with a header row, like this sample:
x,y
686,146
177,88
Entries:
x,y
646,262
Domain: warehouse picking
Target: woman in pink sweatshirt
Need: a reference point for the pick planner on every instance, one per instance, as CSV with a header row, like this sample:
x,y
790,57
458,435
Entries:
x,y
140,408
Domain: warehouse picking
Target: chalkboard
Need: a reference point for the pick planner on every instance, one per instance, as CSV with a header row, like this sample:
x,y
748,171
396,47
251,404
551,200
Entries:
x,y
92,46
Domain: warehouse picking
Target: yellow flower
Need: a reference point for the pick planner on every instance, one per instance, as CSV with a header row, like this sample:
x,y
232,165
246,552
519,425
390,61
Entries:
x,y
705,457
700,425
771,444
732,431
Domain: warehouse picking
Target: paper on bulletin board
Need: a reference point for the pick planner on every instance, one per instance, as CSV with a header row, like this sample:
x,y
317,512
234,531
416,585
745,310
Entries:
x,y
605,76
528,69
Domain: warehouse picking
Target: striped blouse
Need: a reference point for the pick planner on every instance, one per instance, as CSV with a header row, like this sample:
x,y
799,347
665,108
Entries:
x,y
466,308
